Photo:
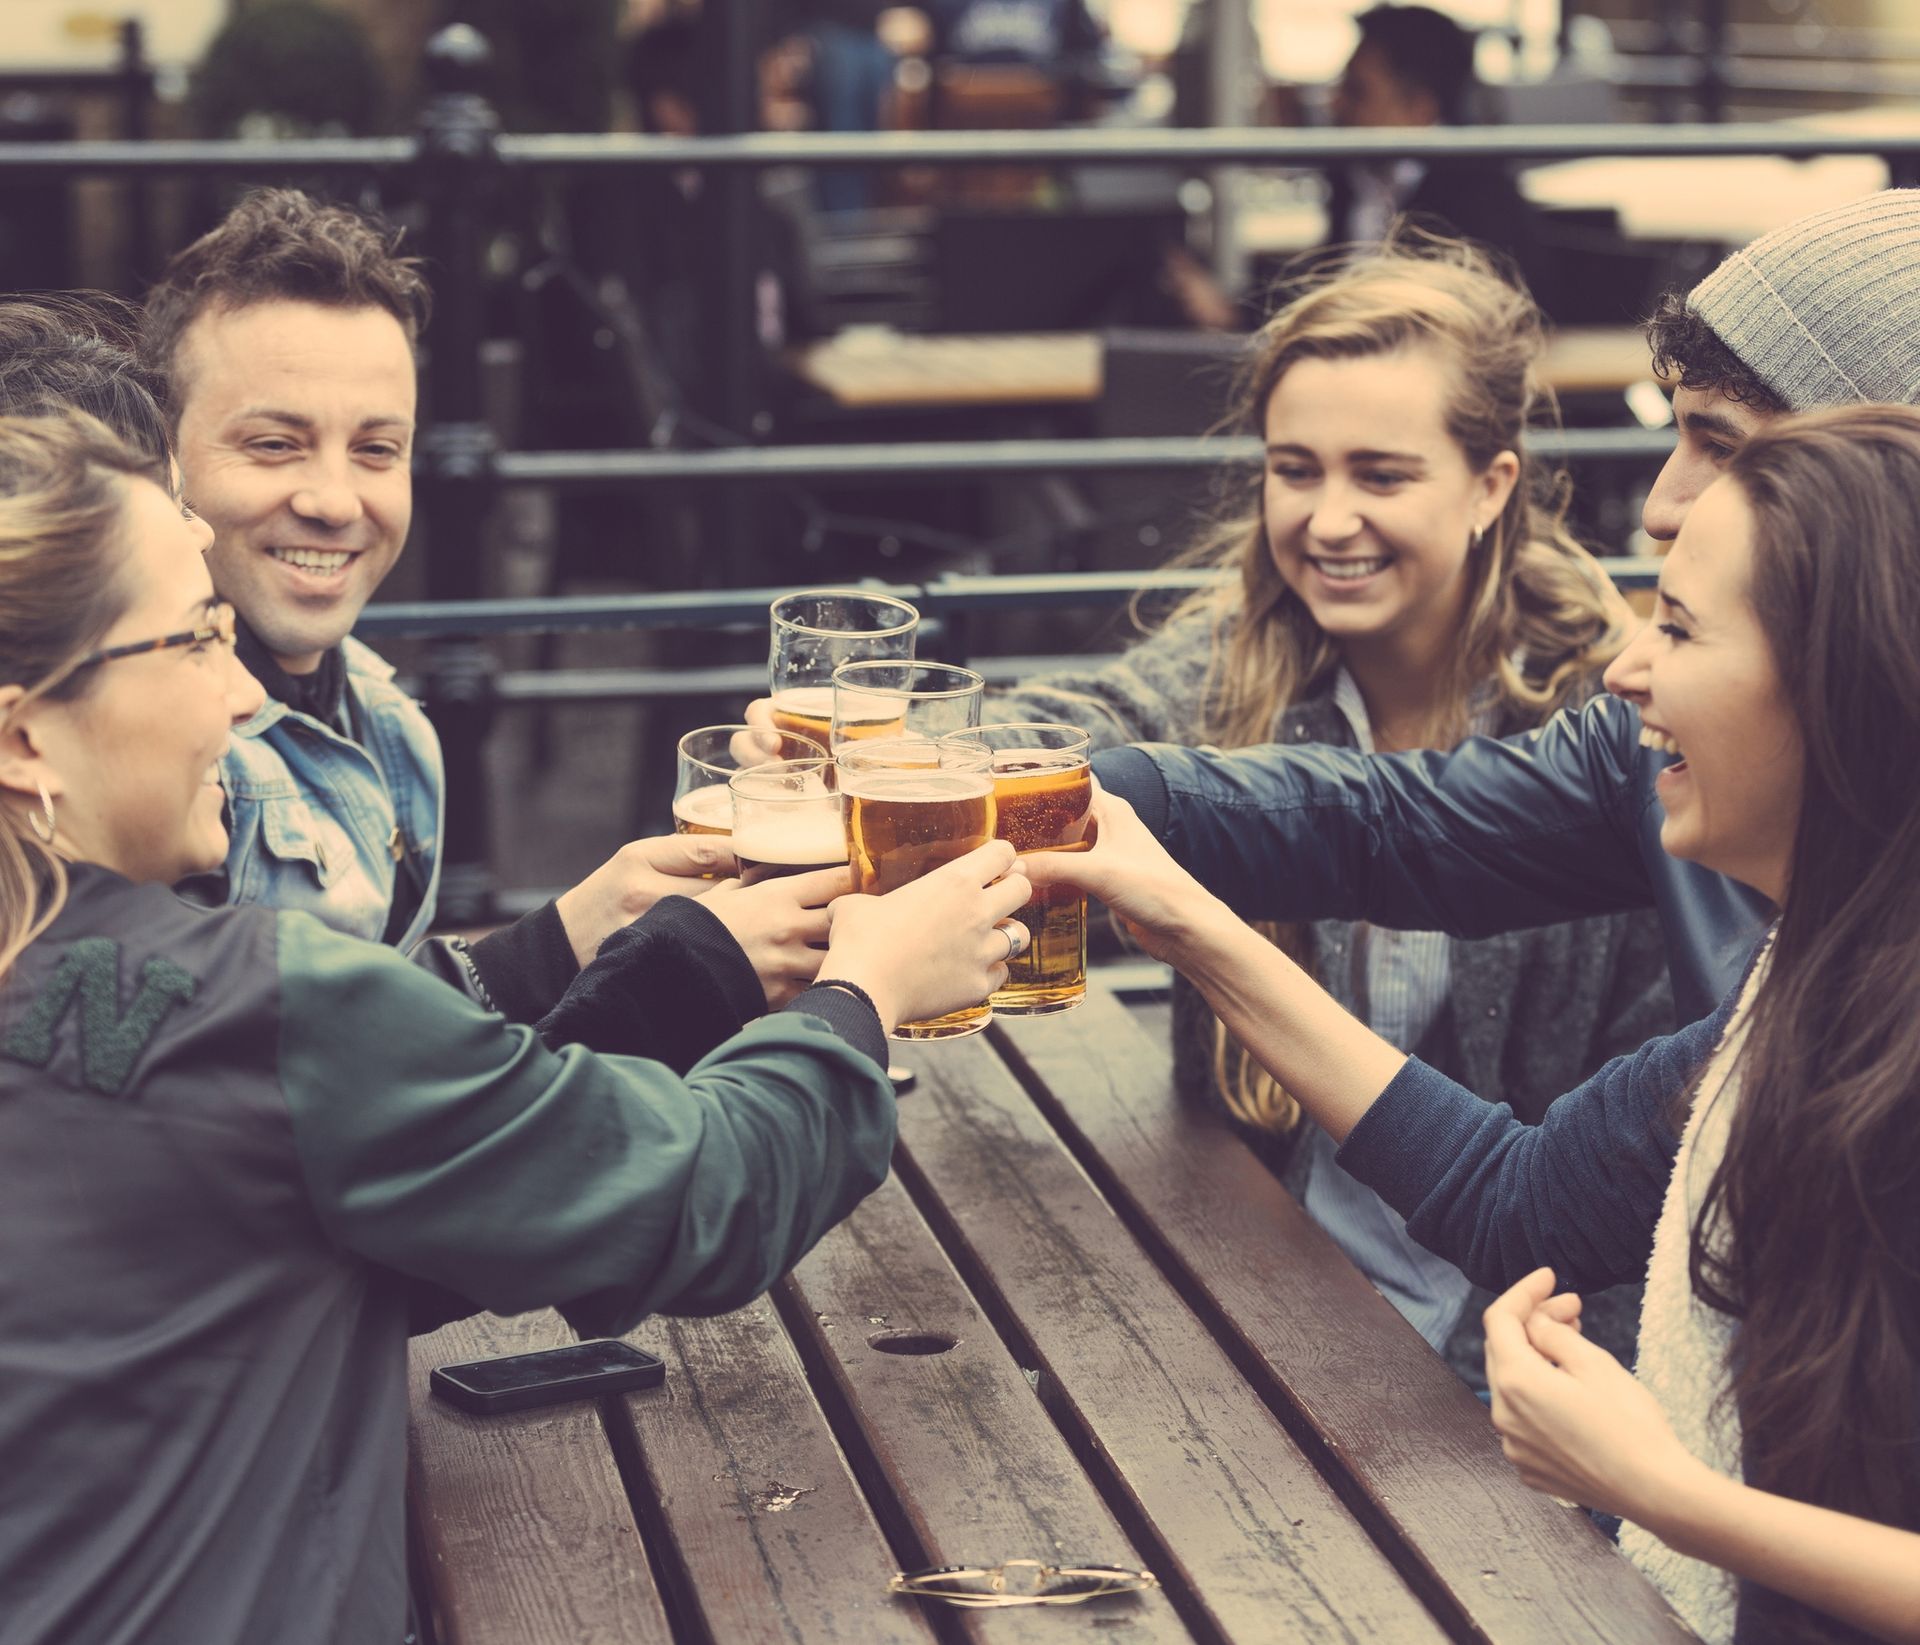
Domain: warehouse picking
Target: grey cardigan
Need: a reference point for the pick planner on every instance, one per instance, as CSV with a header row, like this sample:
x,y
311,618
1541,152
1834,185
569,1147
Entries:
x,y
1530,1013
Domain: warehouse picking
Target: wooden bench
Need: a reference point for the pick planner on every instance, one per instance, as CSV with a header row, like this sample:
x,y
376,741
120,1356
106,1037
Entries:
x,y
1081,1323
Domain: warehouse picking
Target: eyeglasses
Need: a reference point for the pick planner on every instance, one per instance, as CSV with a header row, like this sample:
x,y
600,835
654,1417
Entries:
x,y
1020,1582
219,626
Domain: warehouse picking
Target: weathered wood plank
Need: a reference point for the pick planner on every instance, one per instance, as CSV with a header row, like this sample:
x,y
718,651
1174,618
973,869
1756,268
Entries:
x,y
521,1520
1360,1389
1246,1522
771,1540
952,1446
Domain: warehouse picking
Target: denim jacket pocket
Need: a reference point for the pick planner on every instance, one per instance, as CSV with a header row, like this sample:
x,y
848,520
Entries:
x,y
289,834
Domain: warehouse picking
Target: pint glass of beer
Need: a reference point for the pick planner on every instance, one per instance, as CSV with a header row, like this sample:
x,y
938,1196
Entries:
x,y
912,805
1043,801
786,819
891,700
709,756
813,633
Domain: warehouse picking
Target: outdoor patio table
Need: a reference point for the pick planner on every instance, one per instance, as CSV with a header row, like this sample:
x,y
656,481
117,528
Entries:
x,y
1080,1324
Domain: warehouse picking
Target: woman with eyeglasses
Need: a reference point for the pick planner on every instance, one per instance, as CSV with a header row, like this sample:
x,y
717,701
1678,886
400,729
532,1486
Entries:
x,y
1760,1168
236,1146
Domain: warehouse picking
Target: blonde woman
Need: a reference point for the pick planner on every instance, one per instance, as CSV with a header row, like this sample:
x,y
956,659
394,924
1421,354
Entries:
x,y
1401,579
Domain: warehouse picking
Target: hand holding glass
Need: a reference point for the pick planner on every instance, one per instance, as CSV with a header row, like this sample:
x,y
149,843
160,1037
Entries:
x,y
1043,801
913,804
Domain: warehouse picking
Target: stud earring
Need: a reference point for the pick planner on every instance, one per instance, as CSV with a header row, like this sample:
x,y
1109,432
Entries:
x,y
43,820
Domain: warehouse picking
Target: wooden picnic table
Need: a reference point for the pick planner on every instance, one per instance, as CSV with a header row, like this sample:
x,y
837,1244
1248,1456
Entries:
x,y
1080,1323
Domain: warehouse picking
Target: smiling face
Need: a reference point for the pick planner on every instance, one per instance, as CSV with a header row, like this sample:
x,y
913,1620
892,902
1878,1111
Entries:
x,y
1711,428
1709,694
133,762
296,428
1370,504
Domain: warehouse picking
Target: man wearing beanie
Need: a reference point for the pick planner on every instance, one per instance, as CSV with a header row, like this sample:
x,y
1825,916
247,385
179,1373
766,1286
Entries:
x,y
1502,834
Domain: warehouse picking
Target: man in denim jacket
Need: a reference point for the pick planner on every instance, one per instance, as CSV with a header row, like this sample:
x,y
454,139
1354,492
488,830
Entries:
x,y
287,337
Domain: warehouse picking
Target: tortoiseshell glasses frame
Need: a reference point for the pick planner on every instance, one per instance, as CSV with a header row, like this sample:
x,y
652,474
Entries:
x,y
219,626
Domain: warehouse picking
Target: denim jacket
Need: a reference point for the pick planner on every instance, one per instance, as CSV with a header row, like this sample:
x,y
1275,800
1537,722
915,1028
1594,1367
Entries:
x,y
316,818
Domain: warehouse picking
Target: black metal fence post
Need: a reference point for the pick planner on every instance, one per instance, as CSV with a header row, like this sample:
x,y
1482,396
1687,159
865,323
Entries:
x,y
456,448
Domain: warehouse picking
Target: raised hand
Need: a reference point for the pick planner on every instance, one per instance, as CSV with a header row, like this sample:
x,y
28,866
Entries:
x,y
937,945
1571,1417
782,924
632,880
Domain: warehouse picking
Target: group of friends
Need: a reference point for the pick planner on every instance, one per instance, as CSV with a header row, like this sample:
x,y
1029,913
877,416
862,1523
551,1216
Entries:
x,y
1441,848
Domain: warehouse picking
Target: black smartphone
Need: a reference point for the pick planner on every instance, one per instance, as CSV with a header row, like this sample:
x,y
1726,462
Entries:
x,y
518,1382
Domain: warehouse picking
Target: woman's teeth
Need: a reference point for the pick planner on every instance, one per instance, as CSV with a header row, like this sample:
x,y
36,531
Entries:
x,y
312,559
1350,570
1658,741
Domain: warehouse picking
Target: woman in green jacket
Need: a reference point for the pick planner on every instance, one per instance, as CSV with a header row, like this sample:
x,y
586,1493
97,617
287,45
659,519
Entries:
x,y
238,1146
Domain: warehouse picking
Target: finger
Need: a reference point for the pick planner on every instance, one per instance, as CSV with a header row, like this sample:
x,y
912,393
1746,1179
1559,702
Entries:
x,y
1565,1307
819,887
1006,942
1046,869
1506,1317
981,866
759,713
811,929
1009,896
1566,1347
687,855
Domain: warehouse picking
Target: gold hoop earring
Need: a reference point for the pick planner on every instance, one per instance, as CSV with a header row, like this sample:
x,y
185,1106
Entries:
x,y
43,820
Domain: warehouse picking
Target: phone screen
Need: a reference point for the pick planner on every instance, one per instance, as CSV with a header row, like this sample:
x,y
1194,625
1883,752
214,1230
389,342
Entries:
x,y
585,1359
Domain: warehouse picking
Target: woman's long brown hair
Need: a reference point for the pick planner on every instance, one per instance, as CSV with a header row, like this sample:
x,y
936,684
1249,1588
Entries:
x,y
1541,618
1819,1189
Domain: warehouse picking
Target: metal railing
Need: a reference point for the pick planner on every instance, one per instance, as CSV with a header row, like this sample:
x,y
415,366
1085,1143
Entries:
x,y
457,156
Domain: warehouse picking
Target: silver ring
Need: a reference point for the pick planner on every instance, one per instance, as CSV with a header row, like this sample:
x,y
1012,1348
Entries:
x,y
1014,944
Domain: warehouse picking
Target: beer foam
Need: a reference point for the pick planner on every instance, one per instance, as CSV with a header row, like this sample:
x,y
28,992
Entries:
x,y
709,807
814,702
915,787
813,836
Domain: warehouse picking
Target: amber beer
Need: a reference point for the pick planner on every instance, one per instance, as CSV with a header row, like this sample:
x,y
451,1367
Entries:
x,y
1043,801
903,824
807,711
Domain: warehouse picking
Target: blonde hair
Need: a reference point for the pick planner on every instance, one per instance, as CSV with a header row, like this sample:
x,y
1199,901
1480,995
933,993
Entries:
x,y
62,502
1541,618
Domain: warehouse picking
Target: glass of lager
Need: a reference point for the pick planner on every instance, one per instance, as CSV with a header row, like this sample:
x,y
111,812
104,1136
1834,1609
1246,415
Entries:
x,y
709,756
813,633
900,699
786,819
1043,801
912,805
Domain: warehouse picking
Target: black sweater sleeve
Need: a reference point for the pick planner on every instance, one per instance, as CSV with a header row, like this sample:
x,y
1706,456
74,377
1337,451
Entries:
x,y
671,986
526,967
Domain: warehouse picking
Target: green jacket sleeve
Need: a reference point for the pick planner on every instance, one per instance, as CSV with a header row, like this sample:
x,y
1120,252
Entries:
x,y
446,1144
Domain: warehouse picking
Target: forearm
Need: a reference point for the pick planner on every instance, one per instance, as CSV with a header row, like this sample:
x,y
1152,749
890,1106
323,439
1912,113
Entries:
x,y
1332,1064
1494,836
1862,1573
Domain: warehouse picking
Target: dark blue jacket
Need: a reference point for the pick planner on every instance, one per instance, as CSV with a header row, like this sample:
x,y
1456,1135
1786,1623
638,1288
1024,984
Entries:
x,y
1579,1193
1501,834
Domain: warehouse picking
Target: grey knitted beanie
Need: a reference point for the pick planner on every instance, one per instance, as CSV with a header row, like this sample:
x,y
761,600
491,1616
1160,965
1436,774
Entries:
x,y
1826,311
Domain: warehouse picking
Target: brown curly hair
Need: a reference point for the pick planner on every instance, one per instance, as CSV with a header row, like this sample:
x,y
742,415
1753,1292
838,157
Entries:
x,y
1689,352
